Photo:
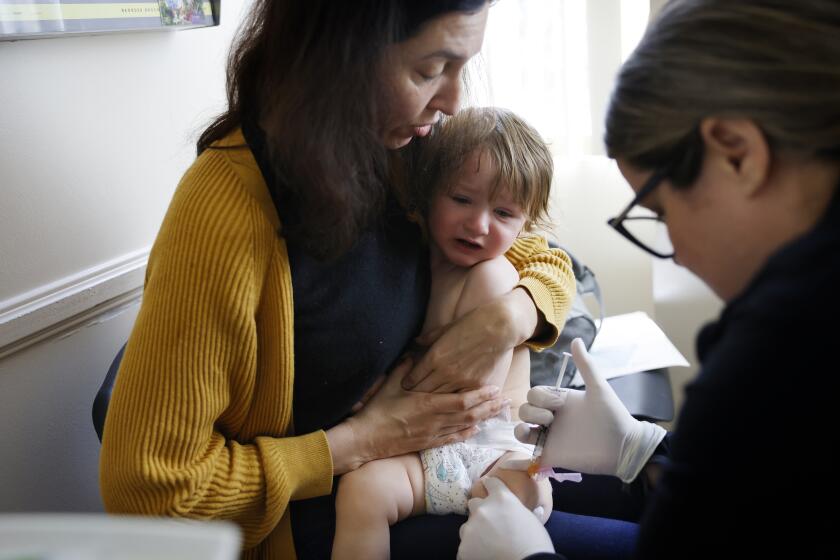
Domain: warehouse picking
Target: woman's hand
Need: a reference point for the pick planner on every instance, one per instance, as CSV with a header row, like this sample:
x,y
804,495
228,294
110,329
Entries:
x,y
501,528
395,421
369,394
465,353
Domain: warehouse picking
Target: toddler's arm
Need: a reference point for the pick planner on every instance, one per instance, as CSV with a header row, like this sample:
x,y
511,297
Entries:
x,y
485,282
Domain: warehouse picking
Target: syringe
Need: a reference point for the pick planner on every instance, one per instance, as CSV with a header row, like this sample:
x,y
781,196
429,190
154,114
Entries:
x,y
534,467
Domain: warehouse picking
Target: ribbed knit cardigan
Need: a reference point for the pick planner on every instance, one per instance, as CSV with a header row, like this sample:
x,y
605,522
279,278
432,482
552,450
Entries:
x,y
200,421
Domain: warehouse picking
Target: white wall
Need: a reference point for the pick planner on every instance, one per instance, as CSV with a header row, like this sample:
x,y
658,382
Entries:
x,y
49,447
95,133
682,305
587,191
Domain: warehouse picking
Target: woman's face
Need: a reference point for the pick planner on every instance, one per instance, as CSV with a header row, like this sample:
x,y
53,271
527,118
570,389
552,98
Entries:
x,y
706,226
422,74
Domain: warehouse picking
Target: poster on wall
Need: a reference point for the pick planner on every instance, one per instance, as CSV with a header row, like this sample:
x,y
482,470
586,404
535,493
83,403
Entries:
x,y
33,19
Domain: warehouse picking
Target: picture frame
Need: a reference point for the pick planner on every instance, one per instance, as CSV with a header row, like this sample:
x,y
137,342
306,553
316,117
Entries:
x,y
36,19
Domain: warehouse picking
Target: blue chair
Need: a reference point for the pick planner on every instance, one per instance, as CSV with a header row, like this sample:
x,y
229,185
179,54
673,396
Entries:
x,y
103,396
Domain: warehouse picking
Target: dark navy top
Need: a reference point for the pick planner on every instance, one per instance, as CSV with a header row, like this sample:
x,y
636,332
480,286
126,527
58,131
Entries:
x,y
748,472
749,459
353,317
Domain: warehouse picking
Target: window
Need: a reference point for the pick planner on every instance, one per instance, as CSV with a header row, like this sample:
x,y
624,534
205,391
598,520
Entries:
x,y
553,62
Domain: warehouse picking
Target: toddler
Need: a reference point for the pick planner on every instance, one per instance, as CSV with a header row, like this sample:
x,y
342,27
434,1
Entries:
x,y
487,176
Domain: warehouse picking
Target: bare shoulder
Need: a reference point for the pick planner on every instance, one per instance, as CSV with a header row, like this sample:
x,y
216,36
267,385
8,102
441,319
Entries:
x,y
485,282
497,275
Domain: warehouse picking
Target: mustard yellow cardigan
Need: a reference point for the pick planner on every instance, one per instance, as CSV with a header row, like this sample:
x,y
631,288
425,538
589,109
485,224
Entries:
x,y
200,421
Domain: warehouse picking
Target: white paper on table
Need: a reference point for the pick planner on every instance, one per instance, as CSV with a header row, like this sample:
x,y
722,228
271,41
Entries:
x,y
631,343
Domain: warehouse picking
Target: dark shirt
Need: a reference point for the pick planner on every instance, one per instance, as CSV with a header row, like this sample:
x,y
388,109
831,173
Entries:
x,y
748,472
748,464
353,317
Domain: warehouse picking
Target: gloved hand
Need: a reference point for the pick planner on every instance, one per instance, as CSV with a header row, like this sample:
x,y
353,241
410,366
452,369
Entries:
x,y
501,528
591,432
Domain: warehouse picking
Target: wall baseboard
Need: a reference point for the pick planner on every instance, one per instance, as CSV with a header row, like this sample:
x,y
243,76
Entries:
x,y
57,309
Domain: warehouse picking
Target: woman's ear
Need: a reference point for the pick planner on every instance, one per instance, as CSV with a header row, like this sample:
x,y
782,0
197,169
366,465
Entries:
x,y
741,150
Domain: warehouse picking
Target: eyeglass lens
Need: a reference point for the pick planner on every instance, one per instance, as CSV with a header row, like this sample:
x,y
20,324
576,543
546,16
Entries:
x,y
646,227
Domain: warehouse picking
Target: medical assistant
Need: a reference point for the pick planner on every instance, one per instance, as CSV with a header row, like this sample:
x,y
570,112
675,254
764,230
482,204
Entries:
x,y
749,460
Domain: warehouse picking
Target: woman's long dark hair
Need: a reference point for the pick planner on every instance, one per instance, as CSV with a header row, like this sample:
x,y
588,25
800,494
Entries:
x,y
308,73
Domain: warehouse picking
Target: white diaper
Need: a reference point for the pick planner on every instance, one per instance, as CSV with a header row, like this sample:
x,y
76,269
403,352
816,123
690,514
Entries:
x,y
451,470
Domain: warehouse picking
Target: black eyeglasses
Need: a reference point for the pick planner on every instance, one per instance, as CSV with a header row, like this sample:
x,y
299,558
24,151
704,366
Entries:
x,y
643,226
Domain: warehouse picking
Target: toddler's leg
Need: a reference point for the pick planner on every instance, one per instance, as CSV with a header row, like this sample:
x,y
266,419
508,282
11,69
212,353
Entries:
x,y
530,492
370,500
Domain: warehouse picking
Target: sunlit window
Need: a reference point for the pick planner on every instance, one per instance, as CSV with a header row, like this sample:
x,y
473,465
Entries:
x,y
553,62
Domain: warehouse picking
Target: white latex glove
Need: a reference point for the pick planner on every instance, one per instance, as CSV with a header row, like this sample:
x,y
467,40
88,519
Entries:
x,y
501,528
591,431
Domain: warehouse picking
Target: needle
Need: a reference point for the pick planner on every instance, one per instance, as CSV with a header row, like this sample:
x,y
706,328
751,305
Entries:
x,y
534,467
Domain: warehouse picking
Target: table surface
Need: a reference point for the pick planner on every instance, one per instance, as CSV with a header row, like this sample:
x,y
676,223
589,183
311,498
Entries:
x,y
647,394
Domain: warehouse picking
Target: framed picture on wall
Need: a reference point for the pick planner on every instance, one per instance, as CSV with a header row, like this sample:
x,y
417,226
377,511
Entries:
x,y
34,19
